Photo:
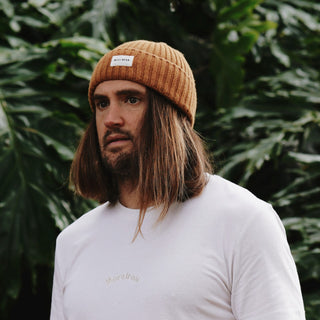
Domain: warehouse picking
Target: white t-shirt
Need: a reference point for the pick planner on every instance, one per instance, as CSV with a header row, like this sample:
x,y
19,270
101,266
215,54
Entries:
x,y
221,256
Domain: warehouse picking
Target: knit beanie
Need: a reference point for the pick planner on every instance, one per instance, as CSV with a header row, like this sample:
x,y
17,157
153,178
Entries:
x,y
153,64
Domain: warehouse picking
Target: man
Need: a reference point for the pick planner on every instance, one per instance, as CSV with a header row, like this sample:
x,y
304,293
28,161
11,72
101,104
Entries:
x,y
170,240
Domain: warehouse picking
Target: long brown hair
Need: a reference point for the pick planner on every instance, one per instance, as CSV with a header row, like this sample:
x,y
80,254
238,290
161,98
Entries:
x,y
172,161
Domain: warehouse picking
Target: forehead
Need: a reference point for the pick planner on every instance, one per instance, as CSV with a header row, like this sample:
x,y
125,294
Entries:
x,y
113,86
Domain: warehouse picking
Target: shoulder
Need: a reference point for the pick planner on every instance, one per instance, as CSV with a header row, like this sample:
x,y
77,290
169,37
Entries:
x,y
224,195
249,228
234,208
83,225
227,191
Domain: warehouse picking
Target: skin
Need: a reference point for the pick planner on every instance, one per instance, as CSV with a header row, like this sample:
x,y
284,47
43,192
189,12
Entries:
x,y
120,107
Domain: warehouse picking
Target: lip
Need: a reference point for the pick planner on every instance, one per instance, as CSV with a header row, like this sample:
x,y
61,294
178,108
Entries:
x,y
116,139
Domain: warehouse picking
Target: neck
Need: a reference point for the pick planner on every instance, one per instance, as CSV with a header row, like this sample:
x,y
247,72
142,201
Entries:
x,y
129,196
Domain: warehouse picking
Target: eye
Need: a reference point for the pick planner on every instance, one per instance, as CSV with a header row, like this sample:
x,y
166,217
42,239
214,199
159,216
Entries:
x,y
132,100
102,104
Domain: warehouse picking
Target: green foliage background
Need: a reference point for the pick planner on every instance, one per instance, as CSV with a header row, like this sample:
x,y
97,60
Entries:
x,y
256,65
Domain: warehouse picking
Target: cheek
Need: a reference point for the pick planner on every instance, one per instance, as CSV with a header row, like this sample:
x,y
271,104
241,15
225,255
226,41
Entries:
x,y
137,122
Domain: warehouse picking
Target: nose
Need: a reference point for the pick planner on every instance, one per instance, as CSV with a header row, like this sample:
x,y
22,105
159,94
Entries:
x,y
113,116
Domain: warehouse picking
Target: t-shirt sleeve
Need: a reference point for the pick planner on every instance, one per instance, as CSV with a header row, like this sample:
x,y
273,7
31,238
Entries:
x,y
57,291
265,284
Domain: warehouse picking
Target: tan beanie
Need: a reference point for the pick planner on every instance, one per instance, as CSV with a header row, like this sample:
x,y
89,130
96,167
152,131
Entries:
x,y
153,64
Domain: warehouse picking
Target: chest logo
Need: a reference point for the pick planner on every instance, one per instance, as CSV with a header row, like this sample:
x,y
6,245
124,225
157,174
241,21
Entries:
x,y
122,277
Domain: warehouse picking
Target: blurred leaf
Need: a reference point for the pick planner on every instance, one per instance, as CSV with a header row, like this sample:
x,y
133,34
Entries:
x,y
238,9
305,158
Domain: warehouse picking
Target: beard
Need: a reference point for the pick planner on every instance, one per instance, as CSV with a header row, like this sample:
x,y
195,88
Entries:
x,y
123,165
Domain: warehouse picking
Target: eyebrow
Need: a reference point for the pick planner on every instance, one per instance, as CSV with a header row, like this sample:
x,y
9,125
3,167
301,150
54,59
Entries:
x,y
120,93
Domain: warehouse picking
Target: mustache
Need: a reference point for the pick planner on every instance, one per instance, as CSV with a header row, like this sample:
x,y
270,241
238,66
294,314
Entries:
x,y
125,133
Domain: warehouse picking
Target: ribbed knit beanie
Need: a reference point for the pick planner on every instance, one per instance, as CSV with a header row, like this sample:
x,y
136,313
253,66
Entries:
x,y
153,64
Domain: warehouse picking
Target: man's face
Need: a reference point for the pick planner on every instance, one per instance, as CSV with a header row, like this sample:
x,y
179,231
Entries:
x,y
120,107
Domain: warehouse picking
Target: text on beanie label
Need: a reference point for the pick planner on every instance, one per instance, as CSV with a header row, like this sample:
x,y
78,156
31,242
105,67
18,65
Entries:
x,y
122,61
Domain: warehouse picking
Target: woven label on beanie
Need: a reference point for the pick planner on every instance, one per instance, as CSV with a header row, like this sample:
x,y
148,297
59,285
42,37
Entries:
x,y
122,60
